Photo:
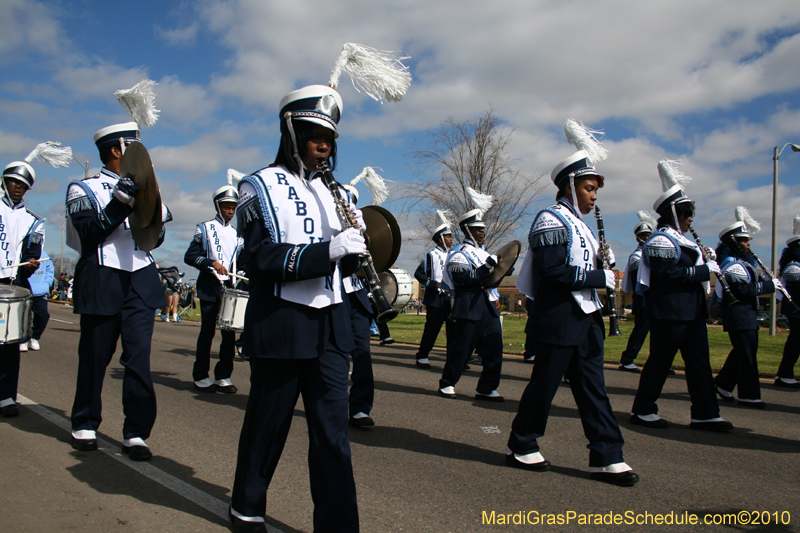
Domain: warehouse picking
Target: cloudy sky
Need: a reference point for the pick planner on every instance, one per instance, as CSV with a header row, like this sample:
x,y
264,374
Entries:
x,y
711,83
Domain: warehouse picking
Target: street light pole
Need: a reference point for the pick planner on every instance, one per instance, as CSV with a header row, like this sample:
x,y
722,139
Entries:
x,y
773,314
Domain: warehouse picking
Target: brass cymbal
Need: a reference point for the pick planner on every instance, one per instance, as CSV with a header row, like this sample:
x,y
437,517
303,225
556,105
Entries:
x,y
146,238
389,286
383,236
507,255
136,163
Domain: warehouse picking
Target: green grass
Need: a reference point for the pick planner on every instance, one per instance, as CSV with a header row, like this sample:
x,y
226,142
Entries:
x,y
408,328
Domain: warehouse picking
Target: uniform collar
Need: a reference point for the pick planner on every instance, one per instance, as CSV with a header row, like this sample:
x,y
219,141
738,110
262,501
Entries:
x,y
9,203
109,173
563,201
221,220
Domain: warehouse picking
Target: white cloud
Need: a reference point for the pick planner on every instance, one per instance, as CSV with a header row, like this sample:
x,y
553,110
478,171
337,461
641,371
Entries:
x,y
182,36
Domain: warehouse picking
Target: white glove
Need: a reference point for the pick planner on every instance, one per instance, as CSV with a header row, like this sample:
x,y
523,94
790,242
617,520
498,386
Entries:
x,y
778,285
611,282
492,260
612,259
125,189
348,242
712,255
713,267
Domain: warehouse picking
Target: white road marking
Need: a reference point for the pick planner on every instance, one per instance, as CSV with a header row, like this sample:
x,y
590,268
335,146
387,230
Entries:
x,y
181,488
62,321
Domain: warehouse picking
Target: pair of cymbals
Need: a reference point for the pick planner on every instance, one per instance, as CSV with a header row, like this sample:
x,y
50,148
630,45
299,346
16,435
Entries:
x,y
145,219
382,236
506,257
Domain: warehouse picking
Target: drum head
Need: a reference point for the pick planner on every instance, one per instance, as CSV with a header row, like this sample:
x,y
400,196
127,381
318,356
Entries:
x,y
383,236
12,292
136,163
389,286
507,254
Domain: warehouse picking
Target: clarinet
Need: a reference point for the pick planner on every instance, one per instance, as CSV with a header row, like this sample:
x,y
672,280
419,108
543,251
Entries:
x,y
795,308
613,321
728,299
384,309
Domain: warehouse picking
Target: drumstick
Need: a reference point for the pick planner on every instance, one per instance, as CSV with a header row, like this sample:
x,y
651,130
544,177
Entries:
x,y
231,274
26,263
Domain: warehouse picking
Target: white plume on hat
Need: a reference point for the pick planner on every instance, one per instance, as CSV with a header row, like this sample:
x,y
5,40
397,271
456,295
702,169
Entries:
x,y
647,217
583,138
443,217
379,74
234,176
139,102
796,225
375,183
671,175
480,201
743,215
56,154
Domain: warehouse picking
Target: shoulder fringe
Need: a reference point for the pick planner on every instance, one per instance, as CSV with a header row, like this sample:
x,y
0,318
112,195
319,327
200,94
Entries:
x,y
82,203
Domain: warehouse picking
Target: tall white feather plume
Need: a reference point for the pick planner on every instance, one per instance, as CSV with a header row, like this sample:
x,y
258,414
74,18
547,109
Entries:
x,y
583,138
480,201
743,215
648,218
234,176
796,225
375,183
671,175
54,153
444,217
140,102
379,74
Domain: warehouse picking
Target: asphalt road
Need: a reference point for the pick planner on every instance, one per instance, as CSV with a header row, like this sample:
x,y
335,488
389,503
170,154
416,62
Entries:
x,y
430,464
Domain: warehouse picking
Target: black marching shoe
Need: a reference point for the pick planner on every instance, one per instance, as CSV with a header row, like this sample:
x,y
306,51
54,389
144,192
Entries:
x,y
630,367
423,365
226,389
724,395
712,425
654,424
752,404
84,445
137,453
361,422
620,479
779,382
10,411
243,526
205,388
513,462
493,396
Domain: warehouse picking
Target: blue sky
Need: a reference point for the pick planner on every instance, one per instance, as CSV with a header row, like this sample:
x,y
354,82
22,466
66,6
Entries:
x,y
712,83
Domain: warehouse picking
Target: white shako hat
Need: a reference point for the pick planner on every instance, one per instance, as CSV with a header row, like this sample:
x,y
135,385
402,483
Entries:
x,y
745,226
647,223
228,193
795,231
672,183
443,226
54,153
316,103
139,103
581,163
474,217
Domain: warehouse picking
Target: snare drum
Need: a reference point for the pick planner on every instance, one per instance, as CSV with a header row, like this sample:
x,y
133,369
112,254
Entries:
x,y
398,286
16,314
232,306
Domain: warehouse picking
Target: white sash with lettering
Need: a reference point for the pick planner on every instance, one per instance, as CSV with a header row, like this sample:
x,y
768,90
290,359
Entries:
x,y
119,250
16,223
221,243
299,211
468,253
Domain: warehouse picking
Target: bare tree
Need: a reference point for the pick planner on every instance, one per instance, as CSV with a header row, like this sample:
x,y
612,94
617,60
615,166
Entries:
x,y
471,153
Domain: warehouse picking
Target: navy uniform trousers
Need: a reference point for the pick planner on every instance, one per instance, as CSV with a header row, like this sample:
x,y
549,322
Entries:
x,y
485,335
583,366
208,327
666,338
41,316
9,371
741,367
641,327
362,392
275,385
791,350
435,317
99,335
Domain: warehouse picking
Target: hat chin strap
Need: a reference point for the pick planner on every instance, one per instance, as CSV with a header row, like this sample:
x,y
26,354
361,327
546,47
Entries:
x,y
290,126
675,216
574,195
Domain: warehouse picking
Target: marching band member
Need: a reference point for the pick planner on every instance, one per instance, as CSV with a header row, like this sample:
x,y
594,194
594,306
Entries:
x,y
562,273
676,279
299,337
642,231
476,319
437,299
21,237
117,289
213,252
790,277
738,267
362,392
